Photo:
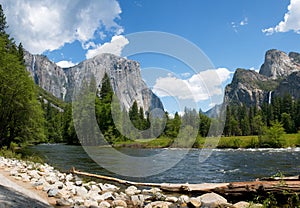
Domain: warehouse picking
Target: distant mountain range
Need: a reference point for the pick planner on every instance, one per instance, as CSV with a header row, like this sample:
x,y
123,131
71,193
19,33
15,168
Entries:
x,y
278,75
124,74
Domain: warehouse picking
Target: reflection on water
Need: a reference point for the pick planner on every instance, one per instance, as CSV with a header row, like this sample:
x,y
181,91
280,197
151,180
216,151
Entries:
x,y
224,165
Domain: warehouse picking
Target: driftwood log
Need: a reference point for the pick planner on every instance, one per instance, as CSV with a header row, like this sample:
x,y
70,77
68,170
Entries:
x,y
276,186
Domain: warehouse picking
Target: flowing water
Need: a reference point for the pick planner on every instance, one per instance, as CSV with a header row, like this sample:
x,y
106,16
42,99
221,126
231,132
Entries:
x,y
224,165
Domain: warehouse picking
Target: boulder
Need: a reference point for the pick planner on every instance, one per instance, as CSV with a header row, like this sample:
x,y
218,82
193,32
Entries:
x,y
212,200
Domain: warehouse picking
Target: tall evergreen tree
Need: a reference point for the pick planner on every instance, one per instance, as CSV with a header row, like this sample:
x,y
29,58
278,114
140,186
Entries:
x,y
21,118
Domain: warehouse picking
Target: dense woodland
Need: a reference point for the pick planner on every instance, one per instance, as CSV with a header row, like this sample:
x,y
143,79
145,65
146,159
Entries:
x,y
28,114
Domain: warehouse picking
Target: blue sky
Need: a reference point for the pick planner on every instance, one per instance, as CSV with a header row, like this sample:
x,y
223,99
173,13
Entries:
x,y
232,34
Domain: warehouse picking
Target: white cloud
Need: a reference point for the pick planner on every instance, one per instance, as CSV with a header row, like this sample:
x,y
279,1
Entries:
x,y
236,25
65,64
199,87
244,22
291,21
49,24
115,46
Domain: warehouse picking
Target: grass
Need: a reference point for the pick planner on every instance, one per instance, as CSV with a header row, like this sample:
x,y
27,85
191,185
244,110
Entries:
x,y
16,154
290,140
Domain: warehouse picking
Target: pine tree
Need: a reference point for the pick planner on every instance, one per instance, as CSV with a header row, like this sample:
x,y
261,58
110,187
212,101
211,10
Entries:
x,y
3,24
21,118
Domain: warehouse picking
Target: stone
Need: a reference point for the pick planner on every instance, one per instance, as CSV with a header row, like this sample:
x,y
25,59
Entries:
x,y
52,192
242,204
172,199
195,202
106,196
119,203
25,177
78,200
108,187
34,174
78,183
212,200
47,187
90,203
137,200
69,177
104,204
63,202
132,190
59,184
184,199
256,206
159,204
51,180
81,191
95,188
121,196
14,172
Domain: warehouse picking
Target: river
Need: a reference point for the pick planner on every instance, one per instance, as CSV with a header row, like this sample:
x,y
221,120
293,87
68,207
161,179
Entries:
x,y
223,165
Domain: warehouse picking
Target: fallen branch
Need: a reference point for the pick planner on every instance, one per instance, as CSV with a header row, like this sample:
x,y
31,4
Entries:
x,y
279,186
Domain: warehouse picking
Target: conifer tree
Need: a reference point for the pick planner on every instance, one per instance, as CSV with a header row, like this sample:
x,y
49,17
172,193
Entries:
x,y
21,118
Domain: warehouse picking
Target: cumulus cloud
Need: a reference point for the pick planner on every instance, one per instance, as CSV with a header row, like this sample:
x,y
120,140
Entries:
x,y
291,21
65,64
115,46
199,87
49,24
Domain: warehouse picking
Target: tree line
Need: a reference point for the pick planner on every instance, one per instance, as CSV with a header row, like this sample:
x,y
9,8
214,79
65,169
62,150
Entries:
x,y
30,115
243,121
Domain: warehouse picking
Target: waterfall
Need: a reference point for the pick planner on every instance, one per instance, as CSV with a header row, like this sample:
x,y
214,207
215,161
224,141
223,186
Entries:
x,y
33,64
270,97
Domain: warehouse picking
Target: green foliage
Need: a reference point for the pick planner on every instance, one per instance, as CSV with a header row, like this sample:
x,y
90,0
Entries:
x,y
272,136
21,117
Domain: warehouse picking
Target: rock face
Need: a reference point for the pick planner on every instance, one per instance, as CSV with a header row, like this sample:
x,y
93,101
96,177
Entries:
x,y
248,87
278,64
47,74
279,75
290,85
125,78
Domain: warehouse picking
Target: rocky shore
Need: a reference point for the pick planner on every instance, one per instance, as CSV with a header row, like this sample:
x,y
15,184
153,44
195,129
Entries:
x,y
68,190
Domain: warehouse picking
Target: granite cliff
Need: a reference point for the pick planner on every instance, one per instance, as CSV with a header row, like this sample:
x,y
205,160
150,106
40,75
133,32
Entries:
x,y
125,78
278,75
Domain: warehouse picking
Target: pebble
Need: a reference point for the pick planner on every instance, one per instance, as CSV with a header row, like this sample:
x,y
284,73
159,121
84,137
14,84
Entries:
x,y
242,204
70,191
119,203
195,202
52,192
104,204
132,190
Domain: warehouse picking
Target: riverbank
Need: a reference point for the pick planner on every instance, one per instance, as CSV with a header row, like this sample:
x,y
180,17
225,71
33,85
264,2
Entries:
x,y
68,190
288,140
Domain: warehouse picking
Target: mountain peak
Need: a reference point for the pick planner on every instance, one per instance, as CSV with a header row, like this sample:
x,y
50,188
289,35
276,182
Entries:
x,y
278,64
124,74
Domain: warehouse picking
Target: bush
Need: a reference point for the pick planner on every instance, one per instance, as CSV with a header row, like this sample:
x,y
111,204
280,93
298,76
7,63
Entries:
x,y
272,137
